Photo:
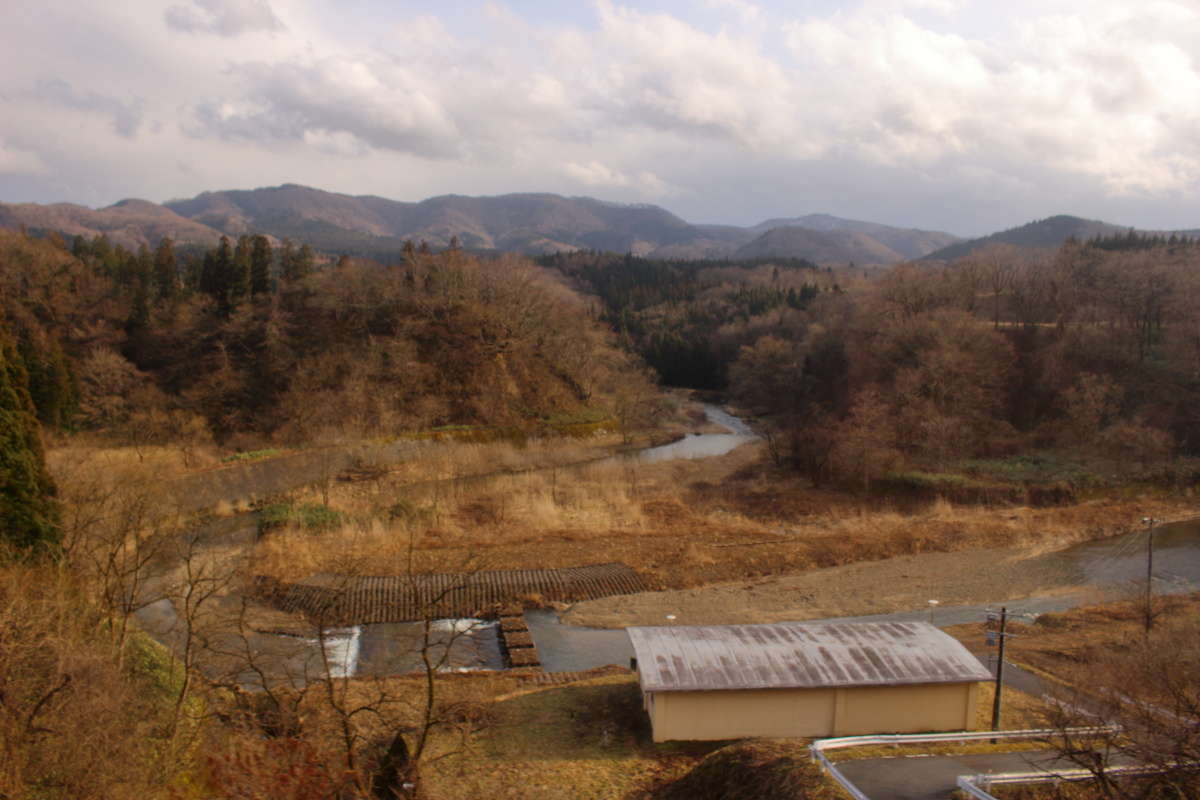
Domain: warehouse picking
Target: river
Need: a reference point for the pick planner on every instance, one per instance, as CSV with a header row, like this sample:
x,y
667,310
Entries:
x,y
1115,565
381,649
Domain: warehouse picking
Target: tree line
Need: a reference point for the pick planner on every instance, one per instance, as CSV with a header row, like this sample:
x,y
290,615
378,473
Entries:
x,y
688,318
249,340
1089,351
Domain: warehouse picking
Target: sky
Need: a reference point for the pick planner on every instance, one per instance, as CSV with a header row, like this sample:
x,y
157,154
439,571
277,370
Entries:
x,y
968,116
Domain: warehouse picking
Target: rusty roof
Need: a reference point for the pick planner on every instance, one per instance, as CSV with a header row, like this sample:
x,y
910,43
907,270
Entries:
x,y
787,655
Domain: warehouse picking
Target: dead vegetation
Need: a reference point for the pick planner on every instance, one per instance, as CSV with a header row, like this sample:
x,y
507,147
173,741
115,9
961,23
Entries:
x,y
681,524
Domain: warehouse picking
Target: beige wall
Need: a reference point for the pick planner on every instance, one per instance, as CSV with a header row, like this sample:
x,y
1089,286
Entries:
x,y
734,714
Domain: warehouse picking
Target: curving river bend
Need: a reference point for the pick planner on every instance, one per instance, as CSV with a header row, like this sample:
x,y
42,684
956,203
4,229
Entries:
x,y
383,649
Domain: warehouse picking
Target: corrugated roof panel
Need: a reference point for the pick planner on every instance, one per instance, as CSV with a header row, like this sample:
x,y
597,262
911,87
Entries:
x,y
799,655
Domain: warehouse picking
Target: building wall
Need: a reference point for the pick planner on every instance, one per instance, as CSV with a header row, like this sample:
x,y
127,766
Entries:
x,y
846,711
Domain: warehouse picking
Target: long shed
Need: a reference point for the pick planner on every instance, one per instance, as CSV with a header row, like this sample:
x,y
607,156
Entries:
x,y
794,679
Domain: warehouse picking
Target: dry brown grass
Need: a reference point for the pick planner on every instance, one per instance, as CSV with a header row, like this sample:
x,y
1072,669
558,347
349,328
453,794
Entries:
x,y
681,524
584,740
80,716
1061,644
164,461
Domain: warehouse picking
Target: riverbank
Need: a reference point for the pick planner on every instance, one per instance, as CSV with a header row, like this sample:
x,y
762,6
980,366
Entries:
x,y
1098,563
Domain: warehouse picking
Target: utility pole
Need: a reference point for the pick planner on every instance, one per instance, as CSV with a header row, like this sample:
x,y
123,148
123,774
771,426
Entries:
x,y
1149,571
999,671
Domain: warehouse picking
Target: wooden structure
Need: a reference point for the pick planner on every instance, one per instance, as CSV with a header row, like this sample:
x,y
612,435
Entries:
x,y
341,600
795,679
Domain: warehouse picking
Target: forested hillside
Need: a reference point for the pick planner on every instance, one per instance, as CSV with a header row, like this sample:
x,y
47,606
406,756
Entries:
x,y
531,223
1092,352
688,319
244,340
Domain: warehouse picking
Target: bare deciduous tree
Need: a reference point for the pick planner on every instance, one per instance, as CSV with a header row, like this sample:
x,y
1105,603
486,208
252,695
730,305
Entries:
x,y
1148,689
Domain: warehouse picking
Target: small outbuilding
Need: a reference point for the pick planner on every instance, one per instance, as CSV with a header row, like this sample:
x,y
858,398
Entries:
x,y
795,679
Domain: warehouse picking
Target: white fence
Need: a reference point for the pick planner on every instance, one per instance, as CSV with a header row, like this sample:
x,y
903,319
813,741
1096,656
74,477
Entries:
x,y
819,747
976,785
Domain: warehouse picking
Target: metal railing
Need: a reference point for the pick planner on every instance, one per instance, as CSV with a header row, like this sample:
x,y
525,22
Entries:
x,y
818,748
976,785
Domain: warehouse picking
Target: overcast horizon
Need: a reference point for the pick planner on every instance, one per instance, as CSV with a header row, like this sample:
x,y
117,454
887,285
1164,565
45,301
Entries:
x,y
953,115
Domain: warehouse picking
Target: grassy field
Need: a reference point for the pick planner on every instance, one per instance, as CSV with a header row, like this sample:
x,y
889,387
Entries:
x,y
584,740
1058,645
691,525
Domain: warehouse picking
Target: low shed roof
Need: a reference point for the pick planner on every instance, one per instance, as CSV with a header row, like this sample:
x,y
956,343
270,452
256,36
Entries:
x,y
799,655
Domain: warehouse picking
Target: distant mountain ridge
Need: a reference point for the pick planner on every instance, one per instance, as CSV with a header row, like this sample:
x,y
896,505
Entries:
x,y
1049,232
532,223
904,242
129,222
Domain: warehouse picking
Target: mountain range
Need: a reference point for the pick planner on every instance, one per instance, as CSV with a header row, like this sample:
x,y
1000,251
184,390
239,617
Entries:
x,y
527,223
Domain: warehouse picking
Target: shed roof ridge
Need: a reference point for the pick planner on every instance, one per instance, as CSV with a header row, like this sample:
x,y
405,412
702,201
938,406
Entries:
x,y
799,655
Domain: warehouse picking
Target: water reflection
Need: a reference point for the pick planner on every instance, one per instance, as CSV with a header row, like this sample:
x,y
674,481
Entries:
x,y
390,648
568,648
1122,559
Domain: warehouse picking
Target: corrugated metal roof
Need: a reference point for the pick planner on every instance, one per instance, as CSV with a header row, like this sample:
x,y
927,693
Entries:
x,y
799,655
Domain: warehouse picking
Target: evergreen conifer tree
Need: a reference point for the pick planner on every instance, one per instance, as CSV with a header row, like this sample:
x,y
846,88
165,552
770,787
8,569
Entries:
x,y
239,278
287,260
28,512
305,261
260,265
166,270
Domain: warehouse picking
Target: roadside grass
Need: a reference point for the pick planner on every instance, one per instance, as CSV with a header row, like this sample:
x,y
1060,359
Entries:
x,y
1018,711
307,517
583,741
251,455
166,461
751,770
680,524
1061,644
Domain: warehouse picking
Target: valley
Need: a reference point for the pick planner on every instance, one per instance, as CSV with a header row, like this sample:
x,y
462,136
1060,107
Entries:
x,y
388,520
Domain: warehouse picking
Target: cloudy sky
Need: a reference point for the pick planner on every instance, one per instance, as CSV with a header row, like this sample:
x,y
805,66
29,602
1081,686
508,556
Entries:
x,y
960,115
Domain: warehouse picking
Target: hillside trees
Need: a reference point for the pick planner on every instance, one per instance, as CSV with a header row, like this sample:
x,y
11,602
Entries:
x,y
1086,349
1149,688
28,513
166,271
447,339
260,265
688,319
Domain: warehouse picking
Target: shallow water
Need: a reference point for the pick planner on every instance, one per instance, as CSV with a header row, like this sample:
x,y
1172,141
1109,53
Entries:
x,y
1114,564
567,648
390,648
702,445
1122,559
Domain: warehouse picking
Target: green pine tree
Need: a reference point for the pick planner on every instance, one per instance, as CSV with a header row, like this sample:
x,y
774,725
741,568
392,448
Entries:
x,y
166,270
239,279
260,265
28,512
287,260
305,261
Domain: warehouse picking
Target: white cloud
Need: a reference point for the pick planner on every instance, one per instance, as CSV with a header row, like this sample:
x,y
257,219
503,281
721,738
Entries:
x,y
1036,98
223,17
747,14
126,115
655,71
597,175
379,102
1103,95
15,161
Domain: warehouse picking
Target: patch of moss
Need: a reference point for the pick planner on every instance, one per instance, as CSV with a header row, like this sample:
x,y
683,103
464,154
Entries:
x,y
308,516
251,455
152,665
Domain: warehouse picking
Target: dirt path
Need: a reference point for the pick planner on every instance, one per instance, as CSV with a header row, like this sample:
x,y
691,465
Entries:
x,y
957,578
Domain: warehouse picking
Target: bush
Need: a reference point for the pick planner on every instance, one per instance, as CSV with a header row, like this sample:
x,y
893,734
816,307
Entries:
x,y
752,770
251,455
307,516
